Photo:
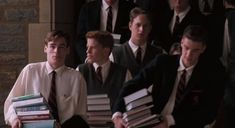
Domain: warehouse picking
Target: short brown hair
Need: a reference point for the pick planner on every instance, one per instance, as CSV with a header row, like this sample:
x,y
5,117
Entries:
x,y
196,33
55,34
138,11
102,37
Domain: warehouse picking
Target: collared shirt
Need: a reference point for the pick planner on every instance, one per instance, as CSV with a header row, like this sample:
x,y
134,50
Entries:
x,y
36,78
134,48
105,70
181,17
104,14
226,46
202,4
168,109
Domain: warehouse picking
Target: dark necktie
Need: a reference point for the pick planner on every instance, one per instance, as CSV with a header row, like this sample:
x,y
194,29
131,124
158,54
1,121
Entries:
x,y
52,97
99,74
181,88
138,55
109,26
177,22
206,6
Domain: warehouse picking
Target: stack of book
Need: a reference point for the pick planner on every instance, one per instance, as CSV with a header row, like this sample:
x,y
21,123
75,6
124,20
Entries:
x,y
33,110
138,110
99,111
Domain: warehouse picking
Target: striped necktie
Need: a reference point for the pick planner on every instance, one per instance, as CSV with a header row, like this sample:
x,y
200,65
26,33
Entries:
x,y
181,88
52,97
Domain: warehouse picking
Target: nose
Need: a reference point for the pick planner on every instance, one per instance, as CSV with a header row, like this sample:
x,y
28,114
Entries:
x,y
141,28
189,54
88,50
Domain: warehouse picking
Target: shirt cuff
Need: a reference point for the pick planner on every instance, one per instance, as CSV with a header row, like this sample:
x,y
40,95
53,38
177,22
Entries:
x,y
170,120
116,114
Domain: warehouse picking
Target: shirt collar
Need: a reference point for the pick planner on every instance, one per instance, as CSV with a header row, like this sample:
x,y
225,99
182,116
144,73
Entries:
x,y
182,67
135,47
105,65
182,14
106,6
50,69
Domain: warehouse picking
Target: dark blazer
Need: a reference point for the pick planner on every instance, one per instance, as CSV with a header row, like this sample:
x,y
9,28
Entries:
x,y
201,98
89,19
165,38
124,56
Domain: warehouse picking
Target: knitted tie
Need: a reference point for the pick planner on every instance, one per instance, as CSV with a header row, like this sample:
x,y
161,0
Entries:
x,y
99,74
109,26
52,97
138,55
181,88
177,22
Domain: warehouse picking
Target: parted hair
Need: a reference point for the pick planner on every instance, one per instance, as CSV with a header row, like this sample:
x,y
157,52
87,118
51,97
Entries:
x,y
55,34
102,37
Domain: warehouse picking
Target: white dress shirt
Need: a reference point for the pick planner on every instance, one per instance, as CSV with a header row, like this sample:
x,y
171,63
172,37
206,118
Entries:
x,y
134,49
36,77
104,14
168,109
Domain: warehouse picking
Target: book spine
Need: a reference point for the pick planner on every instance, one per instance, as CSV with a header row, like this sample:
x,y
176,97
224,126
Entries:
x,y
26,97
28,102
31,108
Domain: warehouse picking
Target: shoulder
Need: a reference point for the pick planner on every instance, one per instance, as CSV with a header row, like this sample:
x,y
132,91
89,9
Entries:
x,y
91,5
126,4
153,48
166,60
35,66
120,49
118,66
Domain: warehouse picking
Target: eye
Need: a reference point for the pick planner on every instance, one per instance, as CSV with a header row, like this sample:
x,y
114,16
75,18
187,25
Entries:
x,y
52,46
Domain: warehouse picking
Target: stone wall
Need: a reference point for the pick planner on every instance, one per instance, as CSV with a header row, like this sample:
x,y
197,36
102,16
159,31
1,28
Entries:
x,y
15,16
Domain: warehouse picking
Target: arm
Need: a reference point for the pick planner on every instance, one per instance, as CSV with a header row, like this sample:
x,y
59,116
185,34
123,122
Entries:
x,y
17,90
82,97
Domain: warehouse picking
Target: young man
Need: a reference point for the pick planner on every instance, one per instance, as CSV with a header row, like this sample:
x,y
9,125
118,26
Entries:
x,y
203,85
70,86
172,25
95,16
137,52
111,76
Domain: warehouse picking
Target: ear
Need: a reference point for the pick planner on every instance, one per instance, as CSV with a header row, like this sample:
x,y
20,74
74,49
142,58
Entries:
x,y
204,48
130,25
45,48
107,51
